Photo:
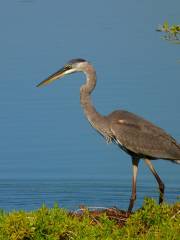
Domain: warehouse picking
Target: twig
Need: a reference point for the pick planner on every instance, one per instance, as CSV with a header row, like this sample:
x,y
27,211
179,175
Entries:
x,y
175,215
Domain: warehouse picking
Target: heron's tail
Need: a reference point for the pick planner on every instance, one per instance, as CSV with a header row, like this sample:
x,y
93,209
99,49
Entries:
x,y
175,161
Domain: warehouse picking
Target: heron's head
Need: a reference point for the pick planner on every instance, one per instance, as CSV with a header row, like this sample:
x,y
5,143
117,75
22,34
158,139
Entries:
x,y
74,65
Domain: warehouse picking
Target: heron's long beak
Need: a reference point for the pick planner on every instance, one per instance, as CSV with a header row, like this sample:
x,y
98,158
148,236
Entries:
x,y
55,76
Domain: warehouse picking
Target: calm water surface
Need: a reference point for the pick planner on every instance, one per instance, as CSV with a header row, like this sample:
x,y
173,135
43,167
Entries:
x,y
48,151
70,194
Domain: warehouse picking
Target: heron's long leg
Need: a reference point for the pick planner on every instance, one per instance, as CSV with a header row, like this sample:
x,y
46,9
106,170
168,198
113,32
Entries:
x,y
158,179
135,162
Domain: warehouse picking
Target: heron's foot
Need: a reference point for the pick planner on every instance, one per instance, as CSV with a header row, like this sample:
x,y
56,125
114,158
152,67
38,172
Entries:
x,y
161,197
161,194
131,204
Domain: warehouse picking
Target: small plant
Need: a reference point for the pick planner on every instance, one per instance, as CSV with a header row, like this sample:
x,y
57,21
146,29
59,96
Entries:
x,y
155,221
172,33
152,221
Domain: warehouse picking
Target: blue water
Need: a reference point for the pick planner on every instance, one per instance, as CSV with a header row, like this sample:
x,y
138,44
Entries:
x,y
48,151
70,193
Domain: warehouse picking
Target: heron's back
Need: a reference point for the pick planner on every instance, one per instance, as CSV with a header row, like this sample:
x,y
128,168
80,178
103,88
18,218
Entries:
x,y
141,137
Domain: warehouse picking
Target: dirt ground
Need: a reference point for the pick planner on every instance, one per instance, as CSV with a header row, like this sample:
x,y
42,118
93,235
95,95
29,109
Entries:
x,y
119,216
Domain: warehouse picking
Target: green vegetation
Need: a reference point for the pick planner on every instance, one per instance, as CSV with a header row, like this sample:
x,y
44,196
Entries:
x,y
172,33
151,222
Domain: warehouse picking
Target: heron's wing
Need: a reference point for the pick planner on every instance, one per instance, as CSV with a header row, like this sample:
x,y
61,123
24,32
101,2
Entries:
x,y
142,137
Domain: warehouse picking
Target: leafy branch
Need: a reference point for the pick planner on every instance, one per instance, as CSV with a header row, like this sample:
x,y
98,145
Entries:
x,y
171,33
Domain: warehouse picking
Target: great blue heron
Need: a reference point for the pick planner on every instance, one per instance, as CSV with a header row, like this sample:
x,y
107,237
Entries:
x,y
135,135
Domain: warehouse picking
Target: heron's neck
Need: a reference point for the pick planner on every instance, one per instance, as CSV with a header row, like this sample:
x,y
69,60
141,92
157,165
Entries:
x,y
90,111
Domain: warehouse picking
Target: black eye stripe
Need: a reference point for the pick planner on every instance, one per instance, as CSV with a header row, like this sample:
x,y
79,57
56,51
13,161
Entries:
x,y
68,67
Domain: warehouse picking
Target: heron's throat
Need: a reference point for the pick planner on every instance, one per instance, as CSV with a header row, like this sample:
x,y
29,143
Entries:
x,y
90,111
88,87
98,121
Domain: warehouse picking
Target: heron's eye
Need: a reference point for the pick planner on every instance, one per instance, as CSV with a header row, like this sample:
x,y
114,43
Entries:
x,y
68,66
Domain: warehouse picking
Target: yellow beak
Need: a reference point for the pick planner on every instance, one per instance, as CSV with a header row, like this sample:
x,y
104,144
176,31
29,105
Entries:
x,y
54,76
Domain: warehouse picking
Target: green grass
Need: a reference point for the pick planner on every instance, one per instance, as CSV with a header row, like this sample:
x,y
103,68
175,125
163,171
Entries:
x,y
151,222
